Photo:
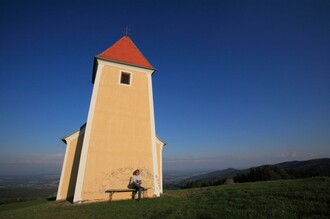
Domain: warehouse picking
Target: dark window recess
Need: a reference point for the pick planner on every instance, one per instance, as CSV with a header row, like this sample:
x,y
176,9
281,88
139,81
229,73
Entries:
x,y
125,78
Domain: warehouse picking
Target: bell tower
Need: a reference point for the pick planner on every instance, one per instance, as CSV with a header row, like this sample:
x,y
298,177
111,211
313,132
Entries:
x,y
119,135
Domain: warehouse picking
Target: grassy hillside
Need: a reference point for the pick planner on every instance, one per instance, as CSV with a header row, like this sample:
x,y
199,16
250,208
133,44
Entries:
x,y
305,198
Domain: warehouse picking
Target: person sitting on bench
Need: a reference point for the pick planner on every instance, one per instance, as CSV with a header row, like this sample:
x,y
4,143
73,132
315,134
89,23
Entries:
x,y
136,181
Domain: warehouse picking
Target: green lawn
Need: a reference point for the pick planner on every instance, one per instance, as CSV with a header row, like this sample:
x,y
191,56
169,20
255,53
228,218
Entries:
x,y
305,198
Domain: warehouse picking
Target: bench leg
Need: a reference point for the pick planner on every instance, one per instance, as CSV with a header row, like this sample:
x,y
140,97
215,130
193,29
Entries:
x,y
110,196
144,193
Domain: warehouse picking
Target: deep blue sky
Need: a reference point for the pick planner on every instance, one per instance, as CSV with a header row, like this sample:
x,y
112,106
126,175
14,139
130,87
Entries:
x,y
238,83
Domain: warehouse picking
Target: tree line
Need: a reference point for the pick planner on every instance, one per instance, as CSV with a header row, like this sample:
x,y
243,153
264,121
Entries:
x,y
263,173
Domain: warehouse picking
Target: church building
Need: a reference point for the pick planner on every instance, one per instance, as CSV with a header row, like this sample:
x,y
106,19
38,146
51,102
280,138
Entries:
x,y
119,135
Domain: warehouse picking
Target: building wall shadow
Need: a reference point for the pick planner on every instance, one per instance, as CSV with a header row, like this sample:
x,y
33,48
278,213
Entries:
x,y
75,166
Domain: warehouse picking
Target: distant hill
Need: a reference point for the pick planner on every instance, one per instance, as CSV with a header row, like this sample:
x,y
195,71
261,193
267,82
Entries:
x,y
318,167
175,179
180,179
286,170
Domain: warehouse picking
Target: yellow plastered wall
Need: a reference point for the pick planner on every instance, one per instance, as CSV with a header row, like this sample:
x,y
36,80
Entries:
x,y
120,137
70,166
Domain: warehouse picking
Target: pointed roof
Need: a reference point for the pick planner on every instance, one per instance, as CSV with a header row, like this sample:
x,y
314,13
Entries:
x,y
125,51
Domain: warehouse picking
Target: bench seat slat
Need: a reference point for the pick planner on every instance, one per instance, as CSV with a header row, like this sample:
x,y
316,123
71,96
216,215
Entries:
x,y
120,190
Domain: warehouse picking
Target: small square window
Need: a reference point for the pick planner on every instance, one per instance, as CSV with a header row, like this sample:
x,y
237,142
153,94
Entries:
x,y
125,78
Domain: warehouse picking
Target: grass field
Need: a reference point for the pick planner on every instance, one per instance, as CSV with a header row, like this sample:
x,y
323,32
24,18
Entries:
x,y
305,198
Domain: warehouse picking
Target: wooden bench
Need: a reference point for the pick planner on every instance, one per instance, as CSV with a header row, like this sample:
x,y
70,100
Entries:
x,y
134,191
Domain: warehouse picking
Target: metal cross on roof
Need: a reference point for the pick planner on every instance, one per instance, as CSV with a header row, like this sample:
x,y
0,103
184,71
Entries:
x,y
127,31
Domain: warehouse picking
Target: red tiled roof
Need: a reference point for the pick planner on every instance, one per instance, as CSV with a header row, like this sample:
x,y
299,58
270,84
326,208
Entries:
x,y
124,50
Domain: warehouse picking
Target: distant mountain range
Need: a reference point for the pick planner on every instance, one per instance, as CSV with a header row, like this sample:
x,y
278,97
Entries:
x,y
318,167
286,170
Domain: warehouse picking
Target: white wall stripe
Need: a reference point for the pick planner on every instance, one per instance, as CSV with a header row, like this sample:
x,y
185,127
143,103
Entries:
x,y
153,138
161,164
85,146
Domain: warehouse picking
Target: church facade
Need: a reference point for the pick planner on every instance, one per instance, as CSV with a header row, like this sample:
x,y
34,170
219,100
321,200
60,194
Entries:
x,y
119,135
